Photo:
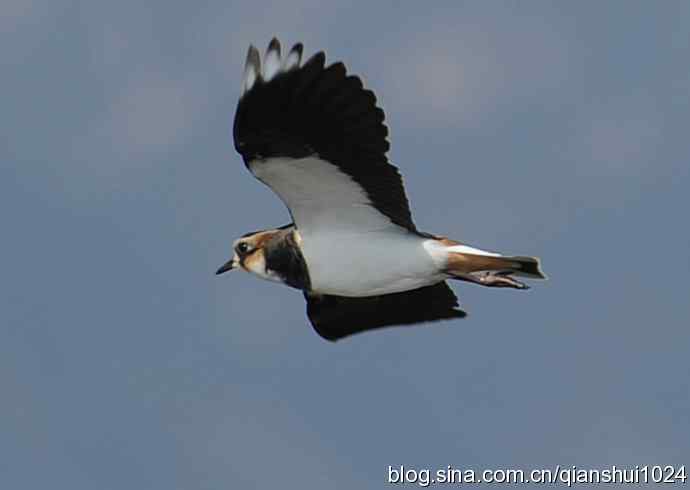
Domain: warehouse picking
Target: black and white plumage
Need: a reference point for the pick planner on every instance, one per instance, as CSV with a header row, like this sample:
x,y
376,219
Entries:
x,y
305,115
315,136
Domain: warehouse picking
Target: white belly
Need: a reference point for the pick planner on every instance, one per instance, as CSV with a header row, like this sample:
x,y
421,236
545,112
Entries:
x,y
368,263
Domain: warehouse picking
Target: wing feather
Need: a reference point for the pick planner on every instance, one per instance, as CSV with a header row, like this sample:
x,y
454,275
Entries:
x,y
335,317
320,113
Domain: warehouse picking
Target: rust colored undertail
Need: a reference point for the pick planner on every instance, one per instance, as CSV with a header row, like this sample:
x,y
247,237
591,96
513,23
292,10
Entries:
x,y
465,263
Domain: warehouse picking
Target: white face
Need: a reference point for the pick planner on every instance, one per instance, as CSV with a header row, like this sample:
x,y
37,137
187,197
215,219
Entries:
x,y
243,248
249,255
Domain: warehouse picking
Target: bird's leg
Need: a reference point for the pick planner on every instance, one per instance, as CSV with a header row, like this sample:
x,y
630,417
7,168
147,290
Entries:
x,y
499,279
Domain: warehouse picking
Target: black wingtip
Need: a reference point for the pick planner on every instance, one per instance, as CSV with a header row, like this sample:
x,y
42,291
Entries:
x,y
460,313
253,57
317,60
274,45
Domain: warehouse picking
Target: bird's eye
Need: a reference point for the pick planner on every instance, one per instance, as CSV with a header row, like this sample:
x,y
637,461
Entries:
x,y
242,248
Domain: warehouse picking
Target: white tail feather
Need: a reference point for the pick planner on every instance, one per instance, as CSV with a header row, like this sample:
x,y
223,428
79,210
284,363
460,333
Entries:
x,y
471,250
293,59
271,60
252,69
273,64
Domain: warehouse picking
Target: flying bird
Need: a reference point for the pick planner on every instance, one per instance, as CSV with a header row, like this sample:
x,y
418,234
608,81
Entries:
x,y
314,135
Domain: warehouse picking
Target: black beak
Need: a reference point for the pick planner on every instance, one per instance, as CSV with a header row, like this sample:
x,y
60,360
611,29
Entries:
x,y
228,266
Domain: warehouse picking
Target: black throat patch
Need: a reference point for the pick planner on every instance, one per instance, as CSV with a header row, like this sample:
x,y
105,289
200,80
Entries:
x,y
283,256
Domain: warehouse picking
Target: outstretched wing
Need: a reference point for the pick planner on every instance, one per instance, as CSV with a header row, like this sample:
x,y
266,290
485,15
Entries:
x,y
316,137
335,317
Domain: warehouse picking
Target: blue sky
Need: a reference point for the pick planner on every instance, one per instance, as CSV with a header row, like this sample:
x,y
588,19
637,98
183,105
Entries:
x,y
557,130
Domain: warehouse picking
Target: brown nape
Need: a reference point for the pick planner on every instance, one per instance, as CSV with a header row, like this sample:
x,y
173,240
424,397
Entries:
x,y
259,239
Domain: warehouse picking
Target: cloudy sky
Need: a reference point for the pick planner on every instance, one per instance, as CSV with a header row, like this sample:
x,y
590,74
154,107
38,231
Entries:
x,y
558,130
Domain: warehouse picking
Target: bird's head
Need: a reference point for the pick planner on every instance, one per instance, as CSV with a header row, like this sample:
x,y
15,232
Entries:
x,y
249,253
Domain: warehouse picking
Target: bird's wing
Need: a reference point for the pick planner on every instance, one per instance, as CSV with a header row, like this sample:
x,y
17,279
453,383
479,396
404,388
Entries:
x,y
335,317
316,137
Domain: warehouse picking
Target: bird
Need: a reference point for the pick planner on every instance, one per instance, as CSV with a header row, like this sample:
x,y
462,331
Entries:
x,y
314,134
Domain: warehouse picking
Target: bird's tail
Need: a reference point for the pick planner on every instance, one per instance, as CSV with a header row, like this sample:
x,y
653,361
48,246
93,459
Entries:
x,y
466,262
526,267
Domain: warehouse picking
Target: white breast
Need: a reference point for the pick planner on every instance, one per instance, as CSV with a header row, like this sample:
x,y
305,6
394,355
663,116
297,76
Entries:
x,y
348,263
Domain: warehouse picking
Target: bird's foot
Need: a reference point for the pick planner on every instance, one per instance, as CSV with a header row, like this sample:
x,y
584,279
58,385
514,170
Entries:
x,y
499,280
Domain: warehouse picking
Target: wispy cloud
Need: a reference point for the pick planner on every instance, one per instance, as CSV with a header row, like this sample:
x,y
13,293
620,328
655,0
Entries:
x,y
619,139
13,13
463,72
22,26
153,112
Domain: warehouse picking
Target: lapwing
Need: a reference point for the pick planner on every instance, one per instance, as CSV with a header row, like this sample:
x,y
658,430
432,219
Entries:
x,y
315,136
